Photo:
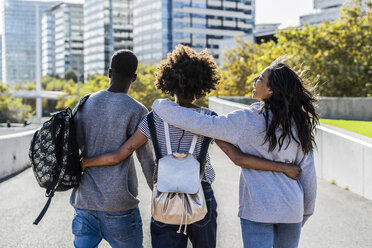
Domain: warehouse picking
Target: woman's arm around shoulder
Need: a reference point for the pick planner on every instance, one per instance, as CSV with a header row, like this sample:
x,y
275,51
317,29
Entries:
x,y
228,128
252,162
132,144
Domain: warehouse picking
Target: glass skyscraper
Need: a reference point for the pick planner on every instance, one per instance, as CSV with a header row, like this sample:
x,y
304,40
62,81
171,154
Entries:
x,y
48,43
18,30
160,25
108,26
62,39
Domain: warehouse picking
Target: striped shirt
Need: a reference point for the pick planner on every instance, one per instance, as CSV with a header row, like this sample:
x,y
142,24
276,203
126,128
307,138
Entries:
x,y
180,141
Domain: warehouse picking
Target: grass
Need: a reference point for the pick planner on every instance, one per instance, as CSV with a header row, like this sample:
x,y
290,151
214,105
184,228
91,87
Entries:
x,y
361,127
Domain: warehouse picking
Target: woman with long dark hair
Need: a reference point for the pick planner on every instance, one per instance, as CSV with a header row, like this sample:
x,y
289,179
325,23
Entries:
x,y
279,127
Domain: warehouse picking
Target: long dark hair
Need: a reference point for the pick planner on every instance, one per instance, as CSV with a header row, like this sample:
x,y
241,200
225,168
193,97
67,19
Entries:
x,y
291,104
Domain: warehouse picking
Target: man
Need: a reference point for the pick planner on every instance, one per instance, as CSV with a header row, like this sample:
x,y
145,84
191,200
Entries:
x,y
105,202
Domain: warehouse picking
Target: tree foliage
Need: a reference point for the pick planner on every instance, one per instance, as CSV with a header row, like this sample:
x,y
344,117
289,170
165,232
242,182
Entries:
x,y
71,75
48,83
143,89
94,83
12,109
336,56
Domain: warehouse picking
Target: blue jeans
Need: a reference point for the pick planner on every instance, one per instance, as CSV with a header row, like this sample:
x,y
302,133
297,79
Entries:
x,y
202,234
268,235
119,229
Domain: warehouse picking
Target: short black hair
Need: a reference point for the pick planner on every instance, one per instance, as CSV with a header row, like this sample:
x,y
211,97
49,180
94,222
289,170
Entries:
x,y
124,62
187,73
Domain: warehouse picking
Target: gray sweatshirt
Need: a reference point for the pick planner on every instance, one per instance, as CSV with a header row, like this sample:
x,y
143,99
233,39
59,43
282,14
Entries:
x,y
104,123
264,196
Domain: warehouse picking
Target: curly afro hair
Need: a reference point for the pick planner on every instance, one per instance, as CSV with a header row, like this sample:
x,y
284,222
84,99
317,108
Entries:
x,y
187,74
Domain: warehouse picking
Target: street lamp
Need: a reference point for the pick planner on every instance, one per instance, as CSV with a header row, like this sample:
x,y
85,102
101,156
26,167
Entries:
x,y
39,106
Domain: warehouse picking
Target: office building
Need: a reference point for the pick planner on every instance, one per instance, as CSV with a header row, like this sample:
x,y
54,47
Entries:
x,y
227,44
48,43
18,26
160,25
262,33
265,32
108,27
327,10
62,39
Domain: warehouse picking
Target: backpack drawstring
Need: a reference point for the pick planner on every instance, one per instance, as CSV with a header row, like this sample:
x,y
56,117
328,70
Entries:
x,y
184,231
183,203
184,211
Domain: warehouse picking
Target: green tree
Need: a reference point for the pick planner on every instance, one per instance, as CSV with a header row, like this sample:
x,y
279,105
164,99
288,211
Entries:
x,y
12,109
241,64
93,84
337,57
143,89
71,75
48,83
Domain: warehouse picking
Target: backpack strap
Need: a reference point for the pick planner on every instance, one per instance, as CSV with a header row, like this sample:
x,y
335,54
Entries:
x,y
80,105
167,138
154,139
42,213
193,144
74,112
203,154
204,150
168,143
53,181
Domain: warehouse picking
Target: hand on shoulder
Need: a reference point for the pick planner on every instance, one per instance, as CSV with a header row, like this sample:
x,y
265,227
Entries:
x,y
256,106
161,102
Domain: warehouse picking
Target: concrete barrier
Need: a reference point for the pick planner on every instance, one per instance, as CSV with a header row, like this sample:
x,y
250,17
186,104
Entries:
x,y
347,108
14,152
345,158
341,156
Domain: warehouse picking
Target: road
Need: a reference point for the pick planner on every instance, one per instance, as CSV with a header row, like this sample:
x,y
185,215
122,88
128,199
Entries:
x,y
342,219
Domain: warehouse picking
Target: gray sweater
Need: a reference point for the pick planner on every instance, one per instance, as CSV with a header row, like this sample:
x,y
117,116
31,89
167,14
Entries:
x,y
104,123
264,196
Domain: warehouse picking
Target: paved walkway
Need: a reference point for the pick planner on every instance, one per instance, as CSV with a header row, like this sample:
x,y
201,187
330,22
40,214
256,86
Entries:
x,y
342,219
16,129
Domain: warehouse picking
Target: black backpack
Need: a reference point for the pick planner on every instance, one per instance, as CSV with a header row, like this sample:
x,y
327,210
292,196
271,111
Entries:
x,y
54,154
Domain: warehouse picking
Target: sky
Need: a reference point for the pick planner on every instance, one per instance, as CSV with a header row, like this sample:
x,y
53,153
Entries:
x,y
286,12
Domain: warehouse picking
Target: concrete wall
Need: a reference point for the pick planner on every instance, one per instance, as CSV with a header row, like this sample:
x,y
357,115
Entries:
x,y
347,108
345,158
14,152
341,156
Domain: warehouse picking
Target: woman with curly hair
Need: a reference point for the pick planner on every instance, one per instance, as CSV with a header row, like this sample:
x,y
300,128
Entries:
x,y
187,75
280,127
